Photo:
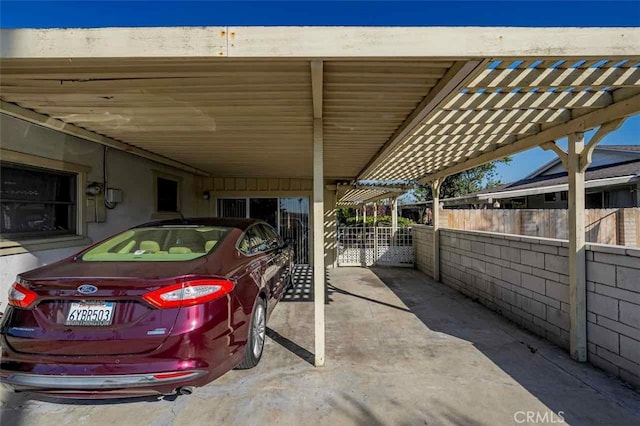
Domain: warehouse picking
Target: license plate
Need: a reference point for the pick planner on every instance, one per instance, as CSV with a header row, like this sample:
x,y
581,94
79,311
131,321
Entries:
x,y
90,313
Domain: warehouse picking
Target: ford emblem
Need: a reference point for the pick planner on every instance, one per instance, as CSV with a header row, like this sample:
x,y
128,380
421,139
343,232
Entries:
x,y
87,289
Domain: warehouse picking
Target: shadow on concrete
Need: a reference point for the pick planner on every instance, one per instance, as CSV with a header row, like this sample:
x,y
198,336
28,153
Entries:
x,y
14,404
361,414
301,289
543,369
111,401
291,346
12,408
334,289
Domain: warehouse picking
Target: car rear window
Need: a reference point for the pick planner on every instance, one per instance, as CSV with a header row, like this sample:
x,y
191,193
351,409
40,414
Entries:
x,y
162,243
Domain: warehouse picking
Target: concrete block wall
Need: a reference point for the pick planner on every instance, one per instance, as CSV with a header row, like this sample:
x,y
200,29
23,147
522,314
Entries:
x,y
526,280
423,247
613,310
522,278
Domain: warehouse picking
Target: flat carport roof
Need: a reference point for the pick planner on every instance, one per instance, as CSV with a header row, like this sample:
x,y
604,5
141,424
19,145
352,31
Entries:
x,y
338,104
430,99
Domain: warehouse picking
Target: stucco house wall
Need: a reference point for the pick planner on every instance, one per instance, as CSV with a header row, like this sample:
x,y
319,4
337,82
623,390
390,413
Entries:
x,y
132,174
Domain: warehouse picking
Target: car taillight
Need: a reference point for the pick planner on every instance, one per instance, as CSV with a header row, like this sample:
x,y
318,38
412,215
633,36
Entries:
x,y
188,293
20,297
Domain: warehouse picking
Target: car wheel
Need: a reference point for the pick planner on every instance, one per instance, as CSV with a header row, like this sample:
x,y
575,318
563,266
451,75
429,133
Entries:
x,y
257,333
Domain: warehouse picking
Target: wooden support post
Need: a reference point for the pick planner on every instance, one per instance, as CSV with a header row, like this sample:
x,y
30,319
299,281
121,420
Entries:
x,y
435,191
394,216
335,234
577,256
375,213
375,243
318,241
318,212
364,215
577,160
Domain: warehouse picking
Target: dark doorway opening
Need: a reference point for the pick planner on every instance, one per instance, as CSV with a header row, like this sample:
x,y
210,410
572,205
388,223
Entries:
x,y
265,209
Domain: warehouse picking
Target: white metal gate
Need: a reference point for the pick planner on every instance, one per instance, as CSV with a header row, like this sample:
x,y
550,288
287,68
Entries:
x,y
368,246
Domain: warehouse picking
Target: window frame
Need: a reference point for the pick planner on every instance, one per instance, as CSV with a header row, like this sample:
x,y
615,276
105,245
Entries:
x,y
220,200
166,214
70,206
21,244
555,197
247,200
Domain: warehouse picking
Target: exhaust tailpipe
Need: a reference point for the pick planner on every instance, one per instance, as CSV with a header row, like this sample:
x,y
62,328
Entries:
x,y
185,390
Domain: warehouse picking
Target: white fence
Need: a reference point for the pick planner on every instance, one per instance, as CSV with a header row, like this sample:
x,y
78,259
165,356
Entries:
x,y
368,246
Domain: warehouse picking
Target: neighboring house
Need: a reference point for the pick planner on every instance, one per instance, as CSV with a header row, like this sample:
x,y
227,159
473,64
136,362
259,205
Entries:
x,y
612,181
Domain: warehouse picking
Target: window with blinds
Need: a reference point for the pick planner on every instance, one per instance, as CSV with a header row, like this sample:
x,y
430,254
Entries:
x,y
36,202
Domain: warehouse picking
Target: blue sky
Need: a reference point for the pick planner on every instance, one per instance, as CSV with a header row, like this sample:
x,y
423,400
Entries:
x,y
526,162
160,13
48,14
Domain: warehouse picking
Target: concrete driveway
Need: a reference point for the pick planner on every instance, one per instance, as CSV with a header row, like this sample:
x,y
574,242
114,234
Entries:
x,y
401,350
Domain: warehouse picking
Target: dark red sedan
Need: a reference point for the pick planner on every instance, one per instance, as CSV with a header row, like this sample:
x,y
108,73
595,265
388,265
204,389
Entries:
x,y
158,309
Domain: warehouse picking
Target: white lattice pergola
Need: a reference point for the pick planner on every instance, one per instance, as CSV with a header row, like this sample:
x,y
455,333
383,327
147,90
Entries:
x,y
335,104
357,194
360,196
507,105
511,104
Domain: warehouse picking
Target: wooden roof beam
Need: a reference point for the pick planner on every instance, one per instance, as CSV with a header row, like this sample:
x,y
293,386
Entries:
x,y
60,126
317,87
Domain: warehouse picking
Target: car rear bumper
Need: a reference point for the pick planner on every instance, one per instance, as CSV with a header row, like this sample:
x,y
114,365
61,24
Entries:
x,y
63,383
184,364
74,377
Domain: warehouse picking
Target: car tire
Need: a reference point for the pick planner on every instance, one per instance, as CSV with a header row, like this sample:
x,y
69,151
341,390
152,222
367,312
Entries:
x,y
257,334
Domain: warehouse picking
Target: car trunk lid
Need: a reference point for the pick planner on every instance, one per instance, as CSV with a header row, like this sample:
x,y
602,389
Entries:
x,y
111,319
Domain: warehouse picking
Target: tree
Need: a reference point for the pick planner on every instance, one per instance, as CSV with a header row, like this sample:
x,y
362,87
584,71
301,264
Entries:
x,y
344,213
467,182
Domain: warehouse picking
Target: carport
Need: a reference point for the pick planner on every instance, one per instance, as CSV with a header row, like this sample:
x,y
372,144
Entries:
x,y
333,106
433,356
